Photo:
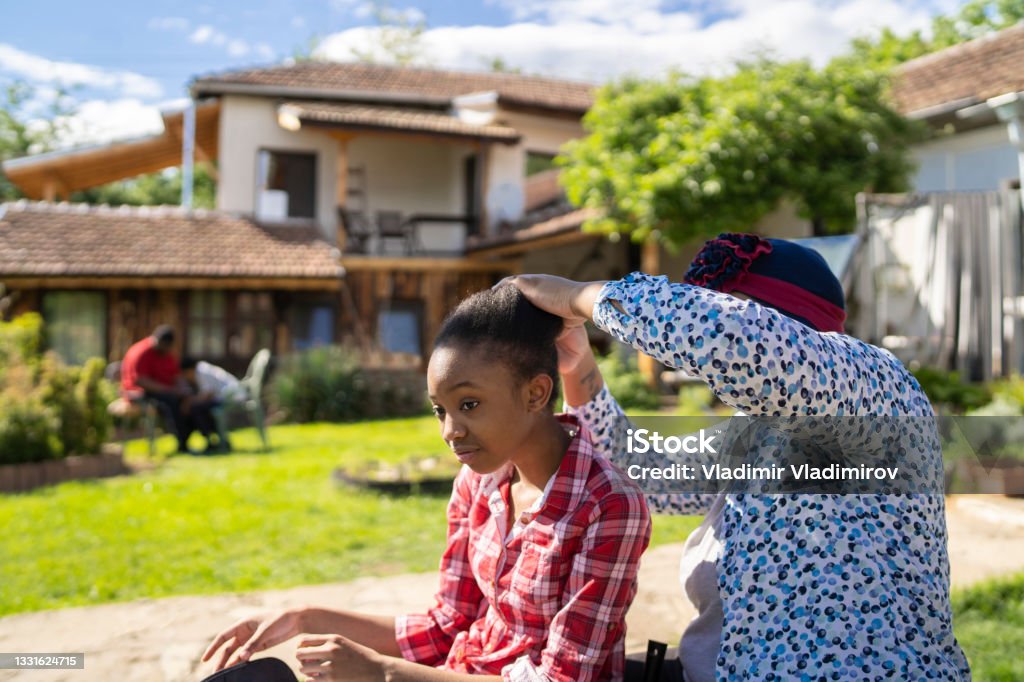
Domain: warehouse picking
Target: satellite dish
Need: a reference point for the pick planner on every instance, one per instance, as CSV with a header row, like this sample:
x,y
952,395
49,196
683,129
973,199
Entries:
x,y
505,202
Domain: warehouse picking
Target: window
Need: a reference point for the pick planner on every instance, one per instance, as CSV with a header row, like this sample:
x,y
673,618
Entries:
x,y
312,325
538,162
290,177
76,323
398,327
255,324
206,323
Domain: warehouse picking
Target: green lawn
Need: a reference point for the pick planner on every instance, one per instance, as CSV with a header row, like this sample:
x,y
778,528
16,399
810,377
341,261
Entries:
x,y
260,521
241,522
988,620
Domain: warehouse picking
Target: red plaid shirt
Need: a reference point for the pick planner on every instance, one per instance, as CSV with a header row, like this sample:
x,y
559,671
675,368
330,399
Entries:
x,y
551,603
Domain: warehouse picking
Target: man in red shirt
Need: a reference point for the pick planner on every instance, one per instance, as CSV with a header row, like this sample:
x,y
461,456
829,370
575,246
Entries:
x,y
151,370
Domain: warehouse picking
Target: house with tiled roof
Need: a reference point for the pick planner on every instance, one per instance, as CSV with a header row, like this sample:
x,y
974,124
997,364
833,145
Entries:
x,y
972,97
354,201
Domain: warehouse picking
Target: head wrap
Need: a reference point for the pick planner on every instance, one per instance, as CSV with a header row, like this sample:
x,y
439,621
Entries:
x,y
793,279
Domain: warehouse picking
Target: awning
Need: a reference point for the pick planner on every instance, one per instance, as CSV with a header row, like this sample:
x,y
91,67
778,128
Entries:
x,y
47,176
352,116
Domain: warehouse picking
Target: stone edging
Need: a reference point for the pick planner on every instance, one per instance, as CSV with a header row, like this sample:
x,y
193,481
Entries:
x,y
29,475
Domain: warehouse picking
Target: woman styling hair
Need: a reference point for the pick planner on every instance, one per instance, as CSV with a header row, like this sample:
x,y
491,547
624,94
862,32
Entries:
x,y
786,586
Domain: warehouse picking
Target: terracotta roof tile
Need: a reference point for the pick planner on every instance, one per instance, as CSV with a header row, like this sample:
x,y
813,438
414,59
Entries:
x,y
359,78
45,239
976,70
395,118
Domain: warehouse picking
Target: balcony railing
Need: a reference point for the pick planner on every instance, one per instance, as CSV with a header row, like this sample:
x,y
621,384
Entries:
x,y
414,234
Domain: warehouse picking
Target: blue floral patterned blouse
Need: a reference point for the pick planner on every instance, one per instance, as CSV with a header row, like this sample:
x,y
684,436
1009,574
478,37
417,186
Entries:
x,y
813,587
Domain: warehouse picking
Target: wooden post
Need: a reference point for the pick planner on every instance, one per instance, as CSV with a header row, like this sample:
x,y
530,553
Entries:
x,y
50,189
341,190
650,262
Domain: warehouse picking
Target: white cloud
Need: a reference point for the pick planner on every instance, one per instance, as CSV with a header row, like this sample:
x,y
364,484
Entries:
x,y
206,34
264,51
36,68
298,22
238,48
168,24
99,121
601,39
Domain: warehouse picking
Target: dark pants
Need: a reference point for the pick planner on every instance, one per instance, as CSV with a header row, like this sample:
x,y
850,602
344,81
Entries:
x,y
199,417
671,670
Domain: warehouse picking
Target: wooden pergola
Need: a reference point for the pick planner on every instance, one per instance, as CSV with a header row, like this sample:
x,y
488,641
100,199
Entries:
x,y
54,176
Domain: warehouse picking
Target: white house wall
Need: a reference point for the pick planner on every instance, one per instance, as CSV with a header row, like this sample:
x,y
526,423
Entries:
x,y
542,134
977,160
249,124
506,165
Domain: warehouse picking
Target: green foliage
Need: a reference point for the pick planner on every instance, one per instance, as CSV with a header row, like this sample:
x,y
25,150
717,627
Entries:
x,y
79,397
973,20
154,189
685,157
47,409
21,343
27,129
627,384
694,400
328,384
948,393
1010,391
28,428
989,624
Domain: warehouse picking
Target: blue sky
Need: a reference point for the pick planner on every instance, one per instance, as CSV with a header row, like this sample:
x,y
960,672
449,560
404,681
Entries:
x,y
127,60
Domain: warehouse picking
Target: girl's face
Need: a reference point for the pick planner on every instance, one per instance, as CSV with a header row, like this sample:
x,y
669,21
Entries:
x,y
486,414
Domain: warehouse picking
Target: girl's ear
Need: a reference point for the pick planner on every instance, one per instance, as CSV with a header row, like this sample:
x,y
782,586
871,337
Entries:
x,y
538,392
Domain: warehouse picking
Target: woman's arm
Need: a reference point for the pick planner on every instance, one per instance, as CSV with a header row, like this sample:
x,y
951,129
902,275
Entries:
x,y
587,397
336,658
753,357
252,635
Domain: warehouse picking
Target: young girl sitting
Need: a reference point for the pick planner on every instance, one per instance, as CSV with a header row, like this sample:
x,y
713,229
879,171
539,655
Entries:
x,y
544,538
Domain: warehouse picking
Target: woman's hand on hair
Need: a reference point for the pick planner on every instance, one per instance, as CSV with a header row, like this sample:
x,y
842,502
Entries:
x,y
573,301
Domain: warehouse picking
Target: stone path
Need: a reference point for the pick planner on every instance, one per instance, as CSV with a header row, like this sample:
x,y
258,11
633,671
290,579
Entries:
x,y
161,640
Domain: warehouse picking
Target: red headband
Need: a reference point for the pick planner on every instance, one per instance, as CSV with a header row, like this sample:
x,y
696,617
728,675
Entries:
x,y
823,315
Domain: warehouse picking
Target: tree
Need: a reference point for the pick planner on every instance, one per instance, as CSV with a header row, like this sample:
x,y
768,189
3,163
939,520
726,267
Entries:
x,y
973,20
398,37
685,157
20,134
153,189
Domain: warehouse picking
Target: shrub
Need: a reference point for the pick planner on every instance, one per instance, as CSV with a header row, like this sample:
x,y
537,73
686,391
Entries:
x,y
28,429
79,397
695,399
948,392
627,384
329,384
48,409
21,343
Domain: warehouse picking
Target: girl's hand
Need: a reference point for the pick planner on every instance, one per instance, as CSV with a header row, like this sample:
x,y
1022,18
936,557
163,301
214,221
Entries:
x,y
251,635
333,657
